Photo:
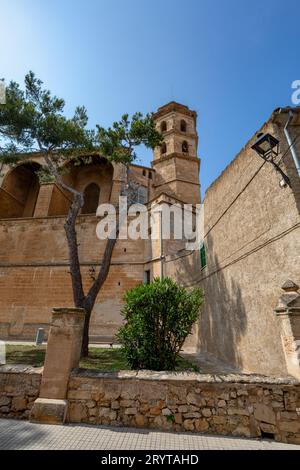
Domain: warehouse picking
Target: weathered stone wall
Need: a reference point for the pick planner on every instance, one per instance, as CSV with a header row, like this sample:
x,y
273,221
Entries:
x,y
228,405
252,239
238,406
19,388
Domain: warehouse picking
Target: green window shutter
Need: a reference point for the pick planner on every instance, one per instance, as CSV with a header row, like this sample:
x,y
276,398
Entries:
x,y
202,256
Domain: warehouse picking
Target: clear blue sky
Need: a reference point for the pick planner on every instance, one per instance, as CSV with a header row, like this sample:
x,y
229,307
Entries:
x,y
233,61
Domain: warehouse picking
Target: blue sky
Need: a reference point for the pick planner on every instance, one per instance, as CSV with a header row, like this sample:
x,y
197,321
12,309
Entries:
x,y
233,61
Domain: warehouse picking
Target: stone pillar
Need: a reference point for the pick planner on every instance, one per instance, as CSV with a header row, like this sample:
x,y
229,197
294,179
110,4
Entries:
x,y
119,178
288,313
43,200
62,355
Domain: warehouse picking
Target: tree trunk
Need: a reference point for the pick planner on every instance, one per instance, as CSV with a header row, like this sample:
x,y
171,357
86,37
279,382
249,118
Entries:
x,y
70,229
90,298
81,300
85,338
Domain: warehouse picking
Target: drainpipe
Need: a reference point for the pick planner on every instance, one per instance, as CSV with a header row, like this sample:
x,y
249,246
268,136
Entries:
x,y
290,143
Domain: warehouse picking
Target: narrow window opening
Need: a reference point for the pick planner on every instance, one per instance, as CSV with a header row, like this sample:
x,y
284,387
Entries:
x,y
147,277
163,126
183,125
185,147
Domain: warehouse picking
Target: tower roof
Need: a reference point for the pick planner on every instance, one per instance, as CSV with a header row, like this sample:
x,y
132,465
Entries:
x,y
173,106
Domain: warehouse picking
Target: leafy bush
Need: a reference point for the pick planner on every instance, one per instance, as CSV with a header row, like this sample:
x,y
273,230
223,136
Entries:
x,y
159,316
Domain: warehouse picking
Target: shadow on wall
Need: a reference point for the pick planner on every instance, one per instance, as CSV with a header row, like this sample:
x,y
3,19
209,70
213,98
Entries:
x,y
223,320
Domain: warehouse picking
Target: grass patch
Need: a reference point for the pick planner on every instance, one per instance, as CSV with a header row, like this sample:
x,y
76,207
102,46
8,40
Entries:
x,y
30,355
109,360
102,359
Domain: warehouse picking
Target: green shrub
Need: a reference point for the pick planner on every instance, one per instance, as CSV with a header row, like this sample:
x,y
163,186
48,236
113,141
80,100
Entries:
x,y
159,316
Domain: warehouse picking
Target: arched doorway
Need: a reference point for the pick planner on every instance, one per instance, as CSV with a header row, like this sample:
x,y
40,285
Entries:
x,y
19,191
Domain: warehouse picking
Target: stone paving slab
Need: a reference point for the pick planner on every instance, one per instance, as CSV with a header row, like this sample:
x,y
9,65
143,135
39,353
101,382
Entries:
x,y
16,434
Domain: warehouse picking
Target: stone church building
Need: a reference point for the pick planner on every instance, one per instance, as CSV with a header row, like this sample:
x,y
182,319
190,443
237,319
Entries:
x,y
251,244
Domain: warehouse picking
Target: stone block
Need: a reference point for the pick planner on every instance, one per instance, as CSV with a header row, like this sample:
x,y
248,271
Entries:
x,y
188,425
155,411
4,409
192,415
115,405
238,411
268,428
241,431
49,411
206,412
183,409
19,403
4,401
131,411
141,420
77,412
201,425
221,404
264,413
290,426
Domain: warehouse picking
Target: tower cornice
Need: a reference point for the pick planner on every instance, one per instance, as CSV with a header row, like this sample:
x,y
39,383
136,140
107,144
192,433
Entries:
x,y
176,155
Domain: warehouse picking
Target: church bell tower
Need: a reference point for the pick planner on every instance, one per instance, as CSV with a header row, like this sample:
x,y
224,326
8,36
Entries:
x,y
175,162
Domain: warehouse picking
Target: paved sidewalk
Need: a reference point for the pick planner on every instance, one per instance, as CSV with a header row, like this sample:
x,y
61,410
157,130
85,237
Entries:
x,y
16,434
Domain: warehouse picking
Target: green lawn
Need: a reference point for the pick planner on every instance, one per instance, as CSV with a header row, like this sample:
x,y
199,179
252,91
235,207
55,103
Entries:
x,y
99,358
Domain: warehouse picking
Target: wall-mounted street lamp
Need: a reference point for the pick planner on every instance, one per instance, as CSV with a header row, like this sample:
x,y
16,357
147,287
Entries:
x,y
267,147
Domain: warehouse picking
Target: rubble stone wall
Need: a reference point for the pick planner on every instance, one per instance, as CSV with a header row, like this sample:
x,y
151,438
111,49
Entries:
x,y
19,388
233,405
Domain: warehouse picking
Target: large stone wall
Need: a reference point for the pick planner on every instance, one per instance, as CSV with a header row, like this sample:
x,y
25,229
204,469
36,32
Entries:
x,y
19,388
34,275
248,406
252,240
229,405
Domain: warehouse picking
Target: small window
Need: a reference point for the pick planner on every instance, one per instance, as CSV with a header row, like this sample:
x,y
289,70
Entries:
x,y
183,125
144,172
163,148
185,147
163,126
202,256
150,175
147,277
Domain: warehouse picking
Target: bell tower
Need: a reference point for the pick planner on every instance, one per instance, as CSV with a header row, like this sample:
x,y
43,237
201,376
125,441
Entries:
x,y
175,162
